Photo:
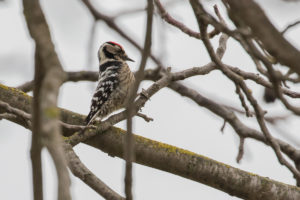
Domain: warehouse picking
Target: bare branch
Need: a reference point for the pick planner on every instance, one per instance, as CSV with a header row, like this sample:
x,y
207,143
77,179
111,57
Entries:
x,y
223,126
26,87
194,71
242,99
49,76
290,26
237,80
91,42
169,19
270,119
129,145
15,112
70,76
81,171
253,16
241,150
110,22
174,160
145,117
165,16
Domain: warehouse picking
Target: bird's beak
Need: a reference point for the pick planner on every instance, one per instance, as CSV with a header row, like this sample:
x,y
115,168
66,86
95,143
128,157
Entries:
x,y
129,59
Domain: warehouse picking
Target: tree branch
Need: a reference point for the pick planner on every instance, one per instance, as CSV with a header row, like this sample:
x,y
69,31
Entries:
x,y
82,172
139,76
169,19
253,16
237,80
111,23
175,160
49,76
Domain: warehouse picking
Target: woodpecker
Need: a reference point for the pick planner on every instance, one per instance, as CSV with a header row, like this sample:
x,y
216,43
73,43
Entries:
x,y
114,83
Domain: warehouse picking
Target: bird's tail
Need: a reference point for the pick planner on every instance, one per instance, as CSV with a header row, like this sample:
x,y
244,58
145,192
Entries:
x,y
91,117
88,119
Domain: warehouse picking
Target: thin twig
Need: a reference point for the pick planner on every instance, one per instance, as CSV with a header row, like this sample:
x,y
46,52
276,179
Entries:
x,y
242,99
290,26
129,145
241,150
91,42
169,19
145,117
223,126
111,23
270,119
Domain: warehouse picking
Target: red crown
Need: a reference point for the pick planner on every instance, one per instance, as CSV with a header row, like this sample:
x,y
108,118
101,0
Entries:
x,y
110,42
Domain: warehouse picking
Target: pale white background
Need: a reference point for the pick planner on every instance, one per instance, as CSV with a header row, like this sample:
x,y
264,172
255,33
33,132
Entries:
x,y
177,121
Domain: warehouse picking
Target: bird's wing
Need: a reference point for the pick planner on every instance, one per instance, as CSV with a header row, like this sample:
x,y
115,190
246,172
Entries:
x,y
108,81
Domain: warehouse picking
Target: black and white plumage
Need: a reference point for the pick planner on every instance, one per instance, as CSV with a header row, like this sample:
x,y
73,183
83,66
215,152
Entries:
x,y
114,82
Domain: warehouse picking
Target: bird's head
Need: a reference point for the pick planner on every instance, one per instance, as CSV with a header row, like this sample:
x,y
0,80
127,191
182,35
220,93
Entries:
x,y
112,50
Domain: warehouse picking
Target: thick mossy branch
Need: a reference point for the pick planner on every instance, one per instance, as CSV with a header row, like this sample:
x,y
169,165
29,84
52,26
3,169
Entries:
x,y
171,159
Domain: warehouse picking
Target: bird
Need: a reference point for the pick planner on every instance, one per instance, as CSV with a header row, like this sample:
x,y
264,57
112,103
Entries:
x,y
115,82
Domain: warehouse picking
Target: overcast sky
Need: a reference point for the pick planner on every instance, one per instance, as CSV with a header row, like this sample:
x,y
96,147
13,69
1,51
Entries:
x,y
177,121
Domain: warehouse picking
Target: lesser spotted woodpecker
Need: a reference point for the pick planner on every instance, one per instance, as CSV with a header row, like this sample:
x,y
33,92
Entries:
x,y
114,82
